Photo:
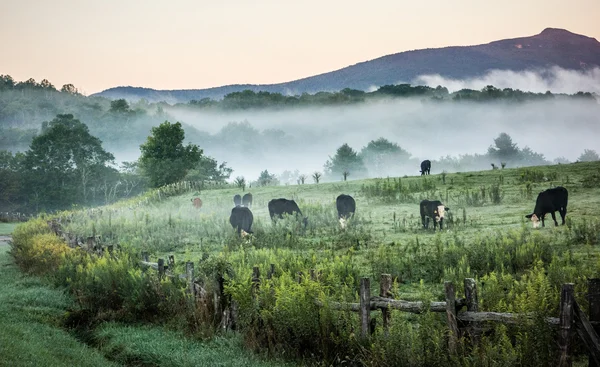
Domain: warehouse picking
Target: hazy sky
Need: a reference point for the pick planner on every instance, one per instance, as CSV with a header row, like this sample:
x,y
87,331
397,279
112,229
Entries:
x,y
185,44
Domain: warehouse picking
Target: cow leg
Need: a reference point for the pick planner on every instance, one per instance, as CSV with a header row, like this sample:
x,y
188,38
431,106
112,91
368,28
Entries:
x,y
441,224
423,221
542,217
554,219
427,223
563,215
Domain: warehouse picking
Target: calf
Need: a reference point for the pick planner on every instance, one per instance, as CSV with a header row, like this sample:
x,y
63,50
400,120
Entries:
x,y
550,201
346,206
278,207
241,219
247,200
425,167
435,210
237,200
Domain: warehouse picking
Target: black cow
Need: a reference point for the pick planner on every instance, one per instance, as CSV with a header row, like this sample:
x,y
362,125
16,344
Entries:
x,y
279,207
241,219
247,200
425,167
435,210
237,199
549,201
346,206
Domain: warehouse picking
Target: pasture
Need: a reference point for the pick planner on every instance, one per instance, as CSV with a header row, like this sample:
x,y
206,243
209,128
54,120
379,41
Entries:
x,y
486,236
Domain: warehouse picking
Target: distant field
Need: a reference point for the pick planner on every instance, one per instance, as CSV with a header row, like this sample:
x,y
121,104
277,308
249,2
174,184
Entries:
x,y
7,228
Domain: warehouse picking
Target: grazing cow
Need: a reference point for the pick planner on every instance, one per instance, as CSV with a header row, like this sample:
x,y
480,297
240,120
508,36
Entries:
x,y
425,167
550,201
435,210
241,219
278,207
346,206
237,200
247,200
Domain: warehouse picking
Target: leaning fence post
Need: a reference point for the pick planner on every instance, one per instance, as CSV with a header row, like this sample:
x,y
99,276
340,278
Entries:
x,y
365,307
161,268
566,325
594,301
189,273
451,316
472,301
385,286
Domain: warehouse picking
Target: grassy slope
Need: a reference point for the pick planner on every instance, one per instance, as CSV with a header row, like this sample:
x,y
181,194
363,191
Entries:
x,y
29,331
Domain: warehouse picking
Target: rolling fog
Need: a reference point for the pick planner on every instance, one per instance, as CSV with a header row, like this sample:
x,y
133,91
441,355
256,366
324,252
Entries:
x,y
427,130
304,138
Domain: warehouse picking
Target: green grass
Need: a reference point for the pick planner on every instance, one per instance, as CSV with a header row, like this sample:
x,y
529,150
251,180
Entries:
x,y
30,312
7,228
155,346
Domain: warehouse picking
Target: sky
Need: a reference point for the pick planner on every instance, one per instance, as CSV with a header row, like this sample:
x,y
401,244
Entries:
x,y
191,44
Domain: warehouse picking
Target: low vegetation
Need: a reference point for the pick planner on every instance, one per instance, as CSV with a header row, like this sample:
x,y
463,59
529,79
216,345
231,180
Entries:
x,y
289,315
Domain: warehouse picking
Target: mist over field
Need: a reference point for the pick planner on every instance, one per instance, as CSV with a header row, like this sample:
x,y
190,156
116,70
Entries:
x,y
304,138
554,79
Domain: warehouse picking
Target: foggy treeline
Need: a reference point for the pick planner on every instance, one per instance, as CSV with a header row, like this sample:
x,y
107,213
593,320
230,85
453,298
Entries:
x,y
258,133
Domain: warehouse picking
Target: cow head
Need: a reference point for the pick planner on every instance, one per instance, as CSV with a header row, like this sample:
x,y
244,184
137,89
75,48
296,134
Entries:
x,y
440,212
534,220
343,223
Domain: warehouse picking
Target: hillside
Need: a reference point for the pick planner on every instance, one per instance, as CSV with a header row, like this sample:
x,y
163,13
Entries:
x,y
552,47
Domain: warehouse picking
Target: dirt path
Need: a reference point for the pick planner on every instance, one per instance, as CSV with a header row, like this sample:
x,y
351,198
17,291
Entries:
x,y
4,240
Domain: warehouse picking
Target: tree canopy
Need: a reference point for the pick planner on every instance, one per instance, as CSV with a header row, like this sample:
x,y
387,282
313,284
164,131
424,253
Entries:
x,y
345,160
381,155
164,158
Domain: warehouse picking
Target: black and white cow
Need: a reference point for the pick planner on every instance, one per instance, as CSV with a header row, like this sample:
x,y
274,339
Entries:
x,y
279,207
550,201
425,167
247,200
241,219
237,200
435,210
346,206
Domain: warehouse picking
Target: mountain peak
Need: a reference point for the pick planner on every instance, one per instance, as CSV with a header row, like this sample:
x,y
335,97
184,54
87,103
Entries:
x,y
559,34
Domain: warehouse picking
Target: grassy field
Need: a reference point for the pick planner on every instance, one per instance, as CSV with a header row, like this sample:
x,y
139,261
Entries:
x,y
486,236
7,228
30,314
174,226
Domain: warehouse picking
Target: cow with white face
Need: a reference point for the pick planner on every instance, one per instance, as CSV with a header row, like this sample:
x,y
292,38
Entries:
x,y
434,210
550,201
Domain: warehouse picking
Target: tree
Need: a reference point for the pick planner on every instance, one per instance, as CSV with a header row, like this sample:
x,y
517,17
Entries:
x,y
588,155
345,160
316,177
165,159
69,89
208,169
240,182
381,156
267,179
62,162
119,106
504,150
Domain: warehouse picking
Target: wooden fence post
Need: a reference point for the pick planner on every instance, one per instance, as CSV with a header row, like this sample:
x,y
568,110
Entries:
x,y
271,271
110,249
189,272
594,301
161,268
565,325
365,307
472,301
299,276
145,256
451,316
385,286
255,280
171,263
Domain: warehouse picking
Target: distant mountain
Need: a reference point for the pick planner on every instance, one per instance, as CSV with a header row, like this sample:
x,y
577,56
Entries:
x,y
551,47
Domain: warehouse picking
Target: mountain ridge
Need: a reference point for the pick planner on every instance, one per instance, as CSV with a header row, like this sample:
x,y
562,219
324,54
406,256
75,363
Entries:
x,y
551,47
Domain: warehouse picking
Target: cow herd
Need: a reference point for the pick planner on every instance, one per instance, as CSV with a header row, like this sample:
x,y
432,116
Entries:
x,y
241,218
